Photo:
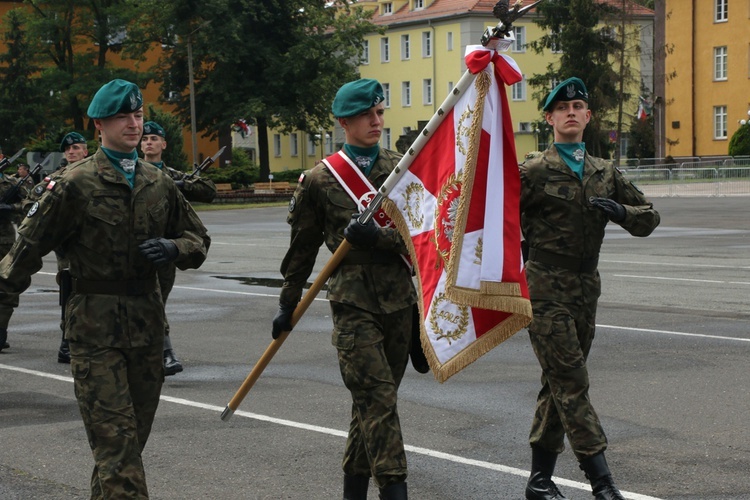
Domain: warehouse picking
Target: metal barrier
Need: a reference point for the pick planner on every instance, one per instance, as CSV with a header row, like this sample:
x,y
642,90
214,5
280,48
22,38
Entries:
x,y
694,181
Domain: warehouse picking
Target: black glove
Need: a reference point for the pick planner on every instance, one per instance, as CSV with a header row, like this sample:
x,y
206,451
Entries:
x,y
361,235
179,184
282,322
613,210
159,250
4,207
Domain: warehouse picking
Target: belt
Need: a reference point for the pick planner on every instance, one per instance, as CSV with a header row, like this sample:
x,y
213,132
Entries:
x,y
125,287
569,263
365,257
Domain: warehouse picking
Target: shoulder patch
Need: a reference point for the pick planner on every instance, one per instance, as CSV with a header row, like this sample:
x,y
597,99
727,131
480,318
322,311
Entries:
x,y
292,204
301,178
33,209
51,185
38,190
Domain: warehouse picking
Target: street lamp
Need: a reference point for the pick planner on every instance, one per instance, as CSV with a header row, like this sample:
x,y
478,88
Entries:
x,y
742,122
193,139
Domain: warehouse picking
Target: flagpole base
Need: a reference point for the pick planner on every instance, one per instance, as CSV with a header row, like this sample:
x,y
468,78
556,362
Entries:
x,y
227,414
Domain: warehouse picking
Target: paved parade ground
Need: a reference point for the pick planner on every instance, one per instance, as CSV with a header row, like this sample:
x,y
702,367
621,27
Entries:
x,y
670,376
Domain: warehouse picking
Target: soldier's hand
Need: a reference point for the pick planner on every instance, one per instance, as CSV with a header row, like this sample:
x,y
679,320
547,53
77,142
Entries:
x,y
361,235
159,250
613,210
282,322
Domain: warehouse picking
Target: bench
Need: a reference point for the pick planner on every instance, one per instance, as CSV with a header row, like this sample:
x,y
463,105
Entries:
x,y
223,187
273,187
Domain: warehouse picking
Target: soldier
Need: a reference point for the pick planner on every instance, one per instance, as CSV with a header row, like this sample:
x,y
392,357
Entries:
x,y
116,218
153,144
13,206
567,199
74,147
371,293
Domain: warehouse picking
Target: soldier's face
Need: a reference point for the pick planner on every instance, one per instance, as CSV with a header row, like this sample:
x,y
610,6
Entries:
x,y
75,152
153,145
364,130
568,120
121,132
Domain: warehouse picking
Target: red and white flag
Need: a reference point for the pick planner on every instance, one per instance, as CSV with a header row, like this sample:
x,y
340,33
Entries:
x,y
457,208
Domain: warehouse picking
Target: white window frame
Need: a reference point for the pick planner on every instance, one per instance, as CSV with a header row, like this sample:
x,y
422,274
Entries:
x,y
293,145
418,4
406,94
720,63
426,44
720,122
449,41
385,50
519,45
427,91
365,52
387,9
310,145
386,94
277,145
387,138
524,127
721,13
405,47
328,142
518,90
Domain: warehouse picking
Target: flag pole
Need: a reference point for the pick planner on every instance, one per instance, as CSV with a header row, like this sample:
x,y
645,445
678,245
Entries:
x,y
491,39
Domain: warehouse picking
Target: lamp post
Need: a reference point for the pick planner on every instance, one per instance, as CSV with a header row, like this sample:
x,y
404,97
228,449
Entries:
x,y
193,139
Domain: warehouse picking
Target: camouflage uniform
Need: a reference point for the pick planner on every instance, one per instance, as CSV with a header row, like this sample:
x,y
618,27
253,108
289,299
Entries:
x,y
371,295
564,234
18,207
115,316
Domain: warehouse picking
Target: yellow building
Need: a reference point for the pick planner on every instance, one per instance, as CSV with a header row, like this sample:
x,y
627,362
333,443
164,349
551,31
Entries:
x,y
421,56
706,90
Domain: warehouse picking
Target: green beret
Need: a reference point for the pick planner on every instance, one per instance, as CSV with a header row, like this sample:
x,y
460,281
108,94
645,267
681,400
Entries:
x,y
356,97
153,128
117,96
570,90
71,138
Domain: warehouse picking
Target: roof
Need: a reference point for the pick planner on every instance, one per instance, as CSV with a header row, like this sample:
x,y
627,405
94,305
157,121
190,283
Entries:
x,y
440,9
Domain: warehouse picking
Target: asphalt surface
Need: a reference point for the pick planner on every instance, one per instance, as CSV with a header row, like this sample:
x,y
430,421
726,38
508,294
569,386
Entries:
x,y
669,376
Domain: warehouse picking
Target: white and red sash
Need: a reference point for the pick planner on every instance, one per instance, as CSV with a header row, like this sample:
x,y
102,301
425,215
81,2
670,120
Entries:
x,y
354,182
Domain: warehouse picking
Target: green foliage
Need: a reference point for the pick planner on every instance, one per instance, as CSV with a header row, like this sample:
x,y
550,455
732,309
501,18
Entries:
x,y
240,173
641,144
173,156
739,144
288,175
278,64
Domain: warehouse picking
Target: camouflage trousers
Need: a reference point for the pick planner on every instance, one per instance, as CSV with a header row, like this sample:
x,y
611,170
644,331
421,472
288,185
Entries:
x,y
166,274
118,393
373,351
561,335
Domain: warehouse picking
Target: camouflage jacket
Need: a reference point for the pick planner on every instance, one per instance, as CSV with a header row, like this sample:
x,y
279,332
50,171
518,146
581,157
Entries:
x,y
196,189
557,217
319,211
19,205
93,215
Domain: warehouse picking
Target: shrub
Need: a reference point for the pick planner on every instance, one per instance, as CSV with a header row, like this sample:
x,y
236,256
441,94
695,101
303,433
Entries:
x,y
739,145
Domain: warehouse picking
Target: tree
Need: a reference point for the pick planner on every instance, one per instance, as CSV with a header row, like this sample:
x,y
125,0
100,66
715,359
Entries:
x,y
739,144
18,86
276,64
573,29
641,143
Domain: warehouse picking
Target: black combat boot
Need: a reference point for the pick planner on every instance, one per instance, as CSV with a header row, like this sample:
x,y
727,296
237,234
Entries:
x,y
540,485
597,472
355,487
4,339
395,491
63,353
172,365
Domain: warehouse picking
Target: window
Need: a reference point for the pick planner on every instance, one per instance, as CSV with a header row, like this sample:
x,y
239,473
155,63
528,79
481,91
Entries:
x,y
387,138
520,44
427,91
406,93
720,63
556,46
387,94
311,145
518,90
385,50
365,52
720,11
426,44
329,142
276,145
524,127
720,122
405,50
293,146
449,41
418,4
387,8
450,87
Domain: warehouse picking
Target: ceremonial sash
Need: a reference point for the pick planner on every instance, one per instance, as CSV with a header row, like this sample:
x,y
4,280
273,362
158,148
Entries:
x,y
354,182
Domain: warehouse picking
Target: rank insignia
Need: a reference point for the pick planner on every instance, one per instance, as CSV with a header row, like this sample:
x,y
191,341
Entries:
x,y
33,209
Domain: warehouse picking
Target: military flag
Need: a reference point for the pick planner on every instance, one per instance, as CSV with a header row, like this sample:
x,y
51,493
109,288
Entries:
x,y
457,207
